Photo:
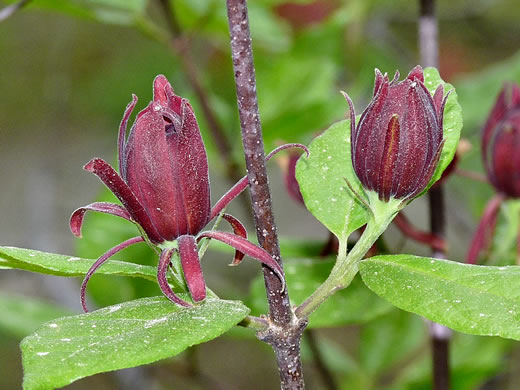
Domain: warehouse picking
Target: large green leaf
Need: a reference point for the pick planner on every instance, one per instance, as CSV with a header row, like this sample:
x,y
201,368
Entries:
x,y
322,182
23,315
61,265
468,298
452,123
126,335
353,305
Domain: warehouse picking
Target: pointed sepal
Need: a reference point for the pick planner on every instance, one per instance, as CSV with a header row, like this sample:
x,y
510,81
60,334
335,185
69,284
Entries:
x,y
190,262
162,269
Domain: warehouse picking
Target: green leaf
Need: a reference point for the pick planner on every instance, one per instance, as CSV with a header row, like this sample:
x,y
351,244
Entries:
x,y
322,182
126,335
355,304
61,265
468,298
23,315
452,124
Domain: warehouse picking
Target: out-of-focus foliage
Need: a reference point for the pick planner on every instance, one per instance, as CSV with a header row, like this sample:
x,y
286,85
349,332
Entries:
x,y
23,315
70,76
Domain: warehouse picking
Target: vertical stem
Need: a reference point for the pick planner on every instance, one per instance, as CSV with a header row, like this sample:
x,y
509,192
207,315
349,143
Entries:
x,y
440,335
285,332
428,34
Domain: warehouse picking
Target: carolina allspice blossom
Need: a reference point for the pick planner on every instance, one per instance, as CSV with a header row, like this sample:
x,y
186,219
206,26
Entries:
x,y
163,186
501,157
398,141
501,142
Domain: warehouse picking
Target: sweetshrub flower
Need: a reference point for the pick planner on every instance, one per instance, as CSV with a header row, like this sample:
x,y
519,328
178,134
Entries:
x,y
501,158
397,143
501,142
163,186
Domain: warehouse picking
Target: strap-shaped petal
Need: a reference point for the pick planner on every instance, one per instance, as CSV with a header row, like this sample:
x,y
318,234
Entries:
x,y
190,262
250,249
122,133
99,262
242,184
77,217
239,230
122,191
164,263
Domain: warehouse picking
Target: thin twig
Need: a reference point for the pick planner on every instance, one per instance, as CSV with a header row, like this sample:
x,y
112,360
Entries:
x,y
440,335
11,9
284,333
477,176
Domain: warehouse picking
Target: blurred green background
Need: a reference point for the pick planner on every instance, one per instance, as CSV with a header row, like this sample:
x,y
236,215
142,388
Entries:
x,y
68,69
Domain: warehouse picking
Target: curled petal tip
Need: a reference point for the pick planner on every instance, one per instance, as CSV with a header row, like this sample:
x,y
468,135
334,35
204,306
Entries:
x,y
76,221
416,73
91,165
77,217
161,89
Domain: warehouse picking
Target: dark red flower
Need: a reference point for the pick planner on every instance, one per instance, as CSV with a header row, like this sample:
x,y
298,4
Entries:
x,y
398,141
501,157
164,190
501,142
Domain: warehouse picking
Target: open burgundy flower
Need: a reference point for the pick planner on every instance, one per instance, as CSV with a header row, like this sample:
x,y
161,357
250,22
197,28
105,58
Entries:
x,y
163,186
398,141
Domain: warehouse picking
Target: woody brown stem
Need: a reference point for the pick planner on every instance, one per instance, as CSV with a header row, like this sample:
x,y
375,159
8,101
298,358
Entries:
x,y
284,332
440,335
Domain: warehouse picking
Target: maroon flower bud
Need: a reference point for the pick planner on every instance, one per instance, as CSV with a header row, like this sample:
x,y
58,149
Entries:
x,y
164,189
398,141
165,165
501,142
